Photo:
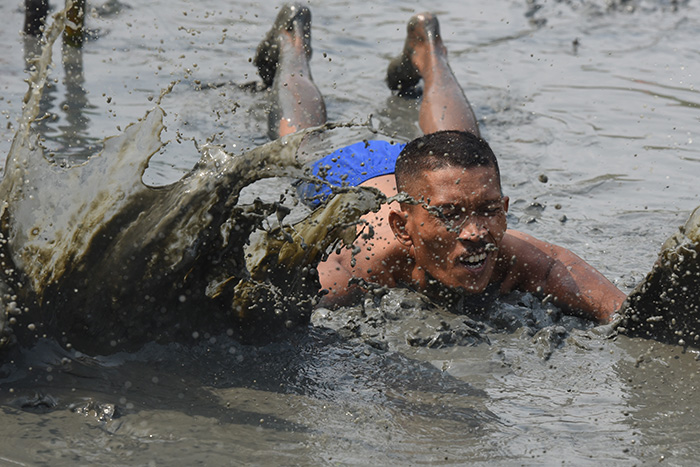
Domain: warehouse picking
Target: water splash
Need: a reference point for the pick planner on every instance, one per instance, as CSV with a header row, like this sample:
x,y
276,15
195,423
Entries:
x,y
666,305
92,255
95,257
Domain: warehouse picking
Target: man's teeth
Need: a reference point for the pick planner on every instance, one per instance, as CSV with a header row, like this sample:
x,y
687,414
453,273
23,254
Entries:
x,y
476,258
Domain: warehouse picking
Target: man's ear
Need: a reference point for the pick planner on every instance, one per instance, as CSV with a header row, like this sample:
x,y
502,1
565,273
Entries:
x,y
397,222
506,200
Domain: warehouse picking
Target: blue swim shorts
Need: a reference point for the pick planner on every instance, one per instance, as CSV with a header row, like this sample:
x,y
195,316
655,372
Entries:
x,y
349,166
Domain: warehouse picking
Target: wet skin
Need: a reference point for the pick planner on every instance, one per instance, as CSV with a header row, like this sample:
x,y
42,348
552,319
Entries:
x,y
457,235
456,229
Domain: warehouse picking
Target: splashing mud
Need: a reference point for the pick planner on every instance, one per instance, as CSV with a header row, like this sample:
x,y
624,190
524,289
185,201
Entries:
x,y
666,305
600,101
94,256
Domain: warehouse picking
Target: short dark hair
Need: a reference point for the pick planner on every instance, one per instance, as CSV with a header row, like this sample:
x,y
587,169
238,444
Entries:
x,y
442,149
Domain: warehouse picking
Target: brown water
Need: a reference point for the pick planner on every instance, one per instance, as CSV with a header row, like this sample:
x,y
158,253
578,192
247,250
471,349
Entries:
x,y
598,96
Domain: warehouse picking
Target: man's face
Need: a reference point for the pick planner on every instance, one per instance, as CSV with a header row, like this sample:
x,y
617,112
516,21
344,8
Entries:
x,y
456,228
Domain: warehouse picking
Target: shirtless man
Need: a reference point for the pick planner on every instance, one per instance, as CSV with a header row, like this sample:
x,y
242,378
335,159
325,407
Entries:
x,y
452,239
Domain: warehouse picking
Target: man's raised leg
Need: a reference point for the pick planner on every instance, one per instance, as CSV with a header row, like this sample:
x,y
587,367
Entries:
x,y
282,59
444,105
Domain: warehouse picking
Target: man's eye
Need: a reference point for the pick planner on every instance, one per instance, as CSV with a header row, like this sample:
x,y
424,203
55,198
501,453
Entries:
x,y
492,210
453,213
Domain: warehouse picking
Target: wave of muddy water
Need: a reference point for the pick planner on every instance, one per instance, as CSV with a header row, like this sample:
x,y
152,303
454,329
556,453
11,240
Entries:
x,y
596,98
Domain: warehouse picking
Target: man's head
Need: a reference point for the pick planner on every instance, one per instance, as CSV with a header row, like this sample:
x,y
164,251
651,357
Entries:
x,y
459,216
443,149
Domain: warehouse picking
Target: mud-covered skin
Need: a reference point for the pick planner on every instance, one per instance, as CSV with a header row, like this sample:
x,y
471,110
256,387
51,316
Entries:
x,y
666,305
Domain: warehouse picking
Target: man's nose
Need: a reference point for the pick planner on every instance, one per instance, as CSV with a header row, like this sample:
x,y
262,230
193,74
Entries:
x,y
472,231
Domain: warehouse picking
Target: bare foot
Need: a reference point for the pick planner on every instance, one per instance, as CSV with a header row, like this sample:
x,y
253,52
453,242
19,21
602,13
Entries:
x,y
293,24
423,45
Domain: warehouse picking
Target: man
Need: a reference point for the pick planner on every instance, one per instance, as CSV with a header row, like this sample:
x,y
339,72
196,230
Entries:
x,y
450,238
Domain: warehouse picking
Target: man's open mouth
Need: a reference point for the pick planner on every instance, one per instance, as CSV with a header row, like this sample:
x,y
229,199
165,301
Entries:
x,y
476,259
473,260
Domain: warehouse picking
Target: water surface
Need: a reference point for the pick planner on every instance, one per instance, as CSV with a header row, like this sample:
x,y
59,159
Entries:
x,y
598,96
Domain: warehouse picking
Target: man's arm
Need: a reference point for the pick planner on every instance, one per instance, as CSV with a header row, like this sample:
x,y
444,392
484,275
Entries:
x,y
549,270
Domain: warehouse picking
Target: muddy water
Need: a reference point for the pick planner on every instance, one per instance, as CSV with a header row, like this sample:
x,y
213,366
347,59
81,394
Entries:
x,y
597,98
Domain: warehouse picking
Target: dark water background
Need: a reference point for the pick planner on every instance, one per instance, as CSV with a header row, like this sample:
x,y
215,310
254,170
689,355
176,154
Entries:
x,y
600,97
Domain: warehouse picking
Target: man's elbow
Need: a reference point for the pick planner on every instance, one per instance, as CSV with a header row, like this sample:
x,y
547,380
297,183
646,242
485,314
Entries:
x,y
611,302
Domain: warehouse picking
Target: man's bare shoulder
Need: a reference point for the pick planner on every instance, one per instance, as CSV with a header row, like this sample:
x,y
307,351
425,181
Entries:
x,y
532,265
523,259
375,256
525,250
